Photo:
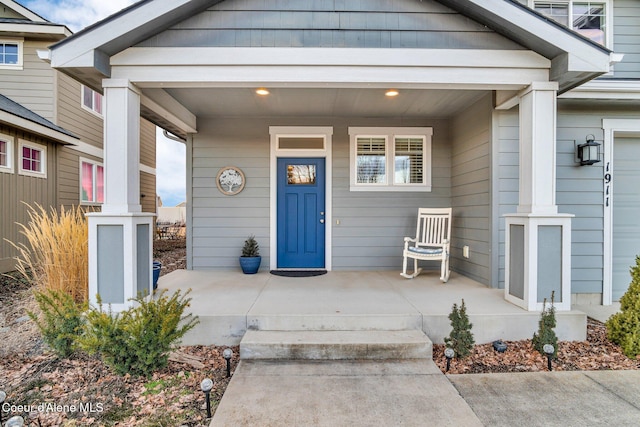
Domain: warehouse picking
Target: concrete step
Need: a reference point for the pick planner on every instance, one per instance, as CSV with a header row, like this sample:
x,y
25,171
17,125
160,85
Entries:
x,y
336,345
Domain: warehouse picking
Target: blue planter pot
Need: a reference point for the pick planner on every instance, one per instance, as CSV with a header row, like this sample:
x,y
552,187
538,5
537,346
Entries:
x,y
157,266
250,265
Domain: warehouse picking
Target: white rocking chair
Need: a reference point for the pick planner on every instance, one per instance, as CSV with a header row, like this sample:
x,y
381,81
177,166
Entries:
x,y
432,242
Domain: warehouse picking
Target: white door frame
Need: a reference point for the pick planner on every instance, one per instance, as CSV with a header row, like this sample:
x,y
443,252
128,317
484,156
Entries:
x,y
325,132
611,128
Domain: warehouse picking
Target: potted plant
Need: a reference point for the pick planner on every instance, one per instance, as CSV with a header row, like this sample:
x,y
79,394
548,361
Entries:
x,y
250,258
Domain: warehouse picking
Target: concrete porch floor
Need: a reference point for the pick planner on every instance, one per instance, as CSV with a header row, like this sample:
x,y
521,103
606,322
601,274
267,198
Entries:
x,y
228,303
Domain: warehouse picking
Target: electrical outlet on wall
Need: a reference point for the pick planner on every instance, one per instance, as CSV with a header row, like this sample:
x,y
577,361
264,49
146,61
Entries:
x,y
465,251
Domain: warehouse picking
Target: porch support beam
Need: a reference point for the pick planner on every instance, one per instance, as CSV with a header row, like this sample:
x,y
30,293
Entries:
x,y
120,236
538,238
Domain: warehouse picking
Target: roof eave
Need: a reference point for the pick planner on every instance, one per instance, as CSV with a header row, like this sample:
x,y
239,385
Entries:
x,y
36,128
575,59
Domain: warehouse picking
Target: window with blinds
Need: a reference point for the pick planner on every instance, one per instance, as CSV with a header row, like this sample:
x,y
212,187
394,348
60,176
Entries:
x,y
371,160
409,160
390,158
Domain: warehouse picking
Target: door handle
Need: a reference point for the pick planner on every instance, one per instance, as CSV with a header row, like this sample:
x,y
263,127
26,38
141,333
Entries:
x,y
322,221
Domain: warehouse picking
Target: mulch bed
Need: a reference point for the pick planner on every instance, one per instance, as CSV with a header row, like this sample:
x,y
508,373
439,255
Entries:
x,y
594,354
31,375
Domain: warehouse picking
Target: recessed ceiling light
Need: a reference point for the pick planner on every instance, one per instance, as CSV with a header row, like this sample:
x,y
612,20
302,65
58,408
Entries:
x,y
262,91
391,93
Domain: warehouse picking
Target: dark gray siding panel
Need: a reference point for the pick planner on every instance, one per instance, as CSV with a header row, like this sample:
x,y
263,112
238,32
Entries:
x,y
367,23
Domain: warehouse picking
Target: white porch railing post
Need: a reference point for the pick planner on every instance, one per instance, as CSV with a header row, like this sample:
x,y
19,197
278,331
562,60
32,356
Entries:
x,y
120,236
538,238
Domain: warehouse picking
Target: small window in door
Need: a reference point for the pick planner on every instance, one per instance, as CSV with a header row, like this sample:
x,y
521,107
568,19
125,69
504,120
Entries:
x,y
301,174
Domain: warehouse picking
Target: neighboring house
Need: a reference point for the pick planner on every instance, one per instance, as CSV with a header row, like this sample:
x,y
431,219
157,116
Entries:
x,y
51,131
286,102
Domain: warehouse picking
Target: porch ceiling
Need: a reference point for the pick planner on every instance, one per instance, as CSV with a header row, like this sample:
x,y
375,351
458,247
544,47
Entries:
x,y
354,102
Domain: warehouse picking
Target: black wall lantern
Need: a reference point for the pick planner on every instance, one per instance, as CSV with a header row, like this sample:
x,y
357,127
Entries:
x,y
589,152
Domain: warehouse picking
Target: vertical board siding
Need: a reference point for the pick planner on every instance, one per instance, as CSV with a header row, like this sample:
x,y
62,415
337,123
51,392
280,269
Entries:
x,y
304,23
32,86
148,192
579,190
471,190
16,190
372,225
626,38
147,143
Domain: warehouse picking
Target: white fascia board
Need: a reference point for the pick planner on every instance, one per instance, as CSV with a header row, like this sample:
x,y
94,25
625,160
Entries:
x,y
480,58
319,67
93,59
167,107
330,76
37,128
605,89
54,30
22,10
581,51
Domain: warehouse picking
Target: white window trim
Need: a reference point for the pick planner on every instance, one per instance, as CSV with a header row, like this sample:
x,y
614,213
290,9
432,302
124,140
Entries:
x,y
95,164
10,156
390,134
608,31
20,64
84,107
43,160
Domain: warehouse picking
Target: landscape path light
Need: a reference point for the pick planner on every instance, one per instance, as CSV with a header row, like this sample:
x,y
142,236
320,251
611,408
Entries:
x,y
206,385
3,396
548,349
16,421
228,354
449,353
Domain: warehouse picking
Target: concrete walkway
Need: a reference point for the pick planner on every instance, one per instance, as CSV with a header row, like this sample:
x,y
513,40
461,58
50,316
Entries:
x,y
585,399
341,393
415,393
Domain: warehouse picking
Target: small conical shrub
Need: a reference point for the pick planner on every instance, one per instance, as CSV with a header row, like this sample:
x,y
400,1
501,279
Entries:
x,y
546,334
250,248
461,338
623,328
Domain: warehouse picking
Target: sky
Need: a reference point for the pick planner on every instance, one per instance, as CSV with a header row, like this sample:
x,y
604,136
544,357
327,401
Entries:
x,y
78,14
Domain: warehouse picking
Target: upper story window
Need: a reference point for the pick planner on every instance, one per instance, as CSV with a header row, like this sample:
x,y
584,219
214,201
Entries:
x,y
588,18
91,100
91,182
6,153
10,54
33,159
390,159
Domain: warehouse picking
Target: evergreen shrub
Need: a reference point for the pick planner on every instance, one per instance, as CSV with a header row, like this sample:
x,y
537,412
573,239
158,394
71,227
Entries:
x,y
138,341
461,338
623,328
546,333
61,320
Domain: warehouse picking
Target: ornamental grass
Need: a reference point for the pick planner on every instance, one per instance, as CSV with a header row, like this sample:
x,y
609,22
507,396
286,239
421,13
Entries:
x,y
56,254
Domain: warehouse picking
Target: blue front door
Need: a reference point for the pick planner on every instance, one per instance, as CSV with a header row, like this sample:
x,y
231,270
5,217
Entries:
x,y
301,215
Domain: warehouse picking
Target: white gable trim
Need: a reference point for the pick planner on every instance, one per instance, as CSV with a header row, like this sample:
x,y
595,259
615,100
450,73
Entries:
x,y
16,7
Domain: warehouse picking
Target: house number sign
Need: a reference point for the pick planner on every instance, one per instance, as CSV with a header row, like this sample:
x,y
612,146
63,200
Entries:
x,y
230,180
607,185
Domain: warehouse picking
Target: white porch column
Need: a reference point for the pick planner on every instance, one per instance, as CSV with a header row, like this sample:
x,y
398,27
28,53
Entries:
x,y
537,237
120,236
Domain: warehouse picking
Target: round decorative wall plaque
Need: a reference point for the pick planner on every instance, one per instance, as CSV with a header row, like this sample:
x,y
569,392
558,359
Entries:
x,y
230,180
